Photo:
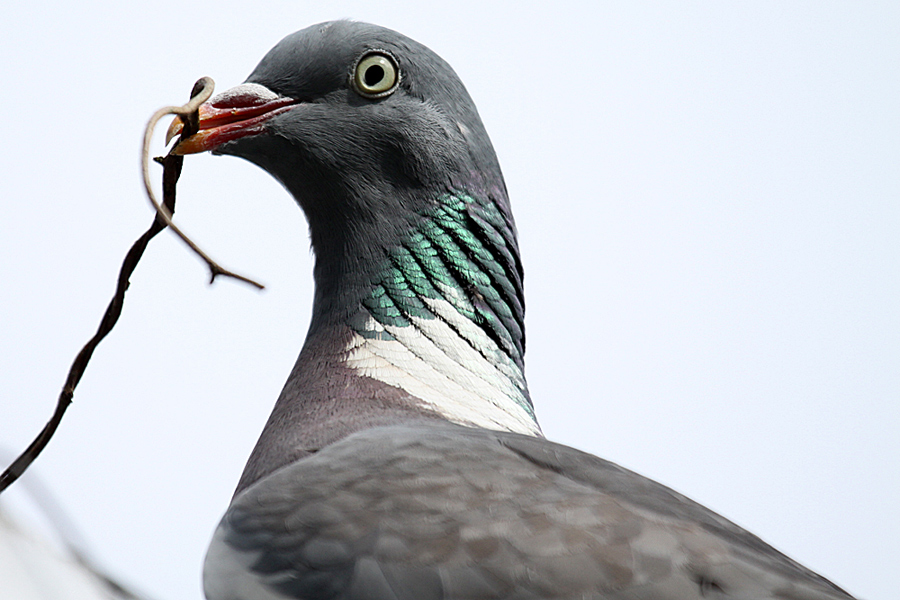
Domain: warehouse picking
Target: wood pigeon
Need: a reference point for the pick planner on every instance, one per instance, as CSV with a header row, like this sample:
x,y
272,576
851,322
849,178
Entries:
x,y
403,459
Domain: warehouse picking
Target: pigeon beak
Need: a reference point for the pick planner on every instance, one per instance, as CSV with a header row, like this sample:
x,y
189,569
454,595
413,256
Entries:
x,y
233,114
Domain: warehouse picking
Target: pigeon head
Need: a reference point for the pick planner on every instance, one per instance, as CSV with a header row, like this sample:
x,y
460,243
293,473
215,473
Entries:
x,y
357,122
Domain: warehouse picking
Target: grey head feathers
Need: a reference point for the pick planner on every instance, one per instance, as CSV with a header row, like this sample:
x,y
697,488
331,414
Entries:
x,y
346,158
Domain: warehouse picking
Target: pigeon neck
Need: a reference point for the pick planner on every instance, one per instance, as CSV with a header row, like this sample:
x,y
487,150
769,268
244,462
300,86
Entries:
x,y
436,315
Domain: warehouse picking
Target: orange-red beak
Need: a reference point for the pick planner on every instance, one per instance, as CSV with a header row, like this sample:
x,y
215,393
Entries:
x,y
233,114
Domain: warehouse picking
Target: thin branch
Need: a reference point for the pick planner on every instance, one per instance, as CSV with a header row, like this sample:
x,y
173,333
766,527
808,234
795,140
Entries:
x,y
171,171
206,88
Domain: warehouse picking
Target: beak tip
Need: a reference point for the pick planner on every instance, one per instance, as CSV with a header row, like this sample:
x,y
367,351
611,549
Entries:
x,y
174,129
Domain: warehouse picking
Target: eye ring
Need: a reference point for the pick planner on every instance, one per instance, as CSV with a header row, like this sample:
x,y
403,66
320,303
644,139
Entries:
x,y
375,74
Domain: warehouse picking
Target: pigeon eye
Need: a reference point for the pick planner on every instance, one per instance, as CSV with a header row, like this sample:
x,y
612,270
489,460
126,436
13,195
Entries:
x,y
375,75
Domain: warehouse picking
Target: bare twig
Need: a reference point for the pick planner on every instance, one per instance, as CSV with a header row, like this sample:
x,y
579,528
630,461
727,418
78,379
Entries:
x,y
171,171
206,88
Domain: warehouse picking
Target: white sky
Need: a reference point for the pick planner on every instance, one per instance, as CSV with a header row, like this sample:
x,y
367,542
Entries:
x,y
708,202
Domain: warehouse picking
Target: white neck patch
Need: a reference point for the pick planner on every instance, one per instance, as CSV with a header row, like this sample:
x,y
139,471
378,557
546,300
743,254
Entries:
x,y
434,360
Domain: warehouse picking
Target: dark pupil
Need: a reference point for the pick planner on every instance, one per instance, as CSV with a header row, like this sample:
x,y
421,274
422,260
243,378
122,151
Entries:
x,y
374,74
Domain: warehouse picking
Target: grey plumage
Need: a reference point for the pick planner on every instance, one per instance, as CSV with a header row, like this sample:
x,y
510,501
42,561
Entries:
x,y
442,511
403,460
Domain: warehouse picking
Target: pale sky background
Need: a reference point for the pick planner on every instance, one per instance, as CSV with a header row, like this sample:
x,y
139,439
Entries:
x,y
708,202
